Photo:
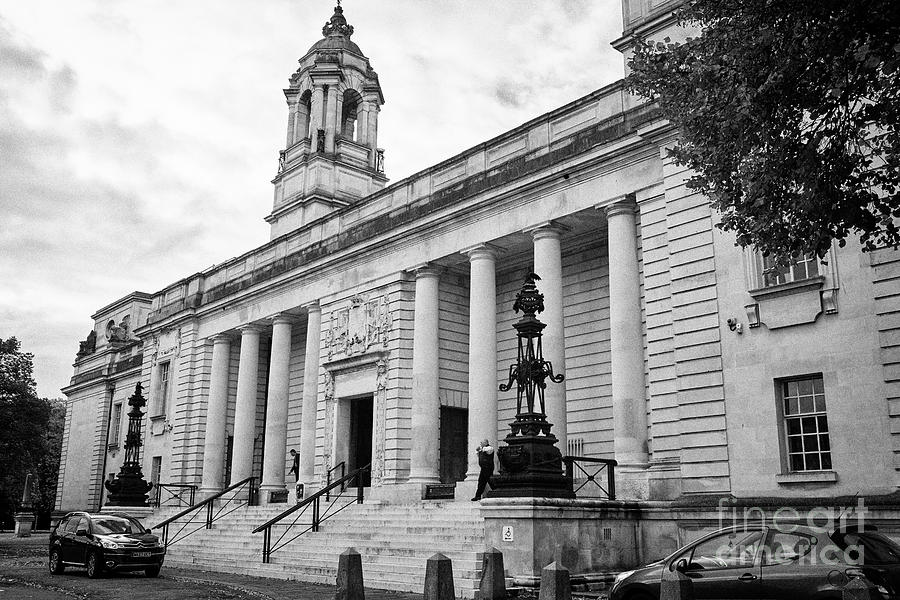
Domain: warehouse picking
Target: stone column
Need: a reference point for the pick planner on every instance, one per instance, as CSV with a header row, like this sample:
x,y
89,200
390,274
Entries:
x,y
317,109
301,129
277,407
245,405
548,265
372,133
482,352
292,122
426,405
331,118
626,339
214,446
310,395
362,125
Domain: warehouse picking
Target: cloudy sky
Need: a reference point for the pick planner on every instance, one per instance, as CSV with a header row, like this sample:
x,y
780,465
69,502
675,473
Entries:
x,y
138,139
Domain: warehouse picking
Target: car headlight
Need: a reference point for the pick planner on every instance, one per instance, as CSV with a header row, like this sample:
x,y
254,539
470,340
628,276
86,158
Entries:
x,y
623,575
109,544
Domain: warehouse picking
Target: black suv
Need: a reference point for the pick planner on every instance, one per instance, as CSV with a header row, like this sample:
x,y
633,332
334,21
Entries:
x,y
100,542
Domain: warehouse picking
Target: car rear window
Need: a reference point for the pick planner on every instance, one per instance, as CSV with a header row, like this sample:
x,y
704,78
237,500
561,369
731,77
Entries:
x,y
867,547
112,525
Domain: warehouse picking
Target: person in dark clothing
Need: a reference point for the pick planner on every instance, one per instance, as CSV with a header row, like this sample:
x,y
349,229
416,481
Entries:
x,y
295,469
486,464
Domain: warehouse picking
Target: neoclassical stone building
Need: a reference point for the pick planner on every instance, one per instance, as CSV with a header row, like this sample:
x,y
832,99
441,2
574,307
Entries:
x,y
375,324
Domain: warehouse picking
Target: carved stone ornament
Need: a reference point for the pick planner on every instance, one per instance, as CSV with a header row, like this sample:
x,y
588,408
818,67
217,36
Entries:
x,y
355,329
89,345
120,332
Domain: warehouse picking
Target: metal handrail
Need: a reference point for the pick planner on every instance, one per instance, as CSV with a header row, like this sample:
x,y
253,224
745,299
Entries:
x,y
607,464
210,517
168,487
343,467
317,515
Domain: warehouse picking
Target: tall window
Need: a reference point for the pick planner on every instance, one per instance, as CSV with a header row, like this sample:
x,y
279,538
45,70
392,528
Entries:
x,y
116,424
806,425
163,388
804,268
155,468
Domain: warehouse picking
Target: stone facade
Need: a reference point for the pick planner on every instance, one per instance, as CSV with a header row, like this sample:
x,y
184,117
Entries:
x,y
375,325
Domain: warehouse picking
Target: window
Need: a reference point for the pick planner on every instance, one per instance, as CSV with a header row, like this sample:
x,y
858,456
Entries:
x,y
735,549
806,425
155,468
116,424
785,547
163,391
805,268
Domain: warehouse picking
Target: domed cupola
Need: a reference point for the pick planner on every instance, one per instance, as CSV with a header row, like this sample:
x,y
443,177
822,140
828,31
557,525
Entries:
x,y
331,158
336,34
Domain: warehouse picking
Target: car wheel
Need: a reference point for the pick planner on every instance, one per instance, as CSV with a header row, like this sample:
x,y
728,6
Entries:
x,y
152,571
94,566
55,563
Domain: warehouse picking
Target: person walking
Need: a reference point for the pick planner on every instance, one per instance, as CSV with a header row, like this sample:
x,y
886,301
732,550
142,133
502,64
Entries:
x,y
486,465
295,469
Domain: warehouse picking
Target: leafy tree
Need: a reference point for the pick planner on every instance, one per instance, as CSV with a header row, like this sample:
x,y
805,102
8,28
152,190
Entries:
x,y
31,435
788,114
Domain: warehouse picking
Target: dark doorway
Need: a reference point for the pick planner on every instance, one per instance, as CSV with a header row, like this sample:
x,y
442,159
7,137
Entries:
x,y
454,443
360,449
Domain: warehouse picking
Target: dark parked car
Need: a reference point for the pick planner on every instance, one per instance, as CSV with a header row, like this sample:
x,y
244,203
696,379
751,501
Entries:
x,y
792,560
101,542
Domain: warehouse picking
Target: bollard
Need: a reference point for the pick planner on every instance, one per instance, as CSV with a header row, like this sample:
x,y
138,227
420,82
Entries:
x,y
555,583
439,578
493,577
349,576
860,589
675,585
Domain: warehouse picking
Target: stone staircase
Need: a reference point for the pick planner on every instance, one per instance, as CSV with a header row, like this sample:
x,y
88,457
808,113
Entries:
x,y
394,540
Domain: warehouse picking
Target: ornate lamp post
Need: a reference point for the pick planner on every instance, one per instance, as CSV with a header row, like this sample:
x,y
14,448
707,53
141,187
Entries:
x,y
530,463
129,488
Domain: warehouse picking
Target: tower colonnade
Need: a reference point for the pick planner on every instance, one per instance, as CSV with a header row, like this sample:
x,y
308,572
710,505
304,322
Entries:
x,y
627,362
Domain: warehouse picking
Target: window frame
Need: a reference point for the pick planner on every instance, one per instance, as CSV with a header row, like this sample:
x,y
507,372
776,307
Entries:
x,y
116,426
804,419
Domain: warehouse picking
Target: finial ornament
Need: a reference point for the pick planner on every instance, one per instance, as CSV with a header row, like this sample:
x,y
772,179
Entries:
x,y
337,24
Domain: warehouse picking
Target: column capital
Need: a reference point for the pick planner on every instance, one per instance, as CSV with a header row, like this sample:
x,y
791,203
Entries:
x,y
481,251
423,270
311,307
249,328
219,338
621,205
280,318
547,229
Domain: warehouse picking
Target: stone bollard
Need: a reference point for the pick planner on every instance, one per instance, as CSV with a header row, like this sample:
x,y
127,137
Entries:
x,y
493,577
860,589
675,585
555,583
349,576
439,578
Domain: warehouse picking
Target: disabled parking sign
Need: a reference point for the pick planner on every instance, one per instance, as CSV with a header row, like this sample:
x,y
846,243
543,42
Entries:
x,y
507,533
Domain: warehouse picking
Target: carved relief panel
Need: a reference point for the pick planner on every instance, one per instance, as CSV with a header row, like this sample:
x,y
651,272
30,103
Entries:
x,y
359,327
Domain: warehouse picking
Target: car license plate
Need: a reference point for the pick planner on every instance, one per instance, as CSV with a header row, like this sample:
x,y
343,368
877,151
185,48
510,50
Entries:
x,y
142,555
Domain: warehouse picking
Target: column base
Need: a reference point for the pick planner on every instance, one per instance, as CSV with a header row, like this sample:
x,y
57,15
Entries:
x,y
273,493
633,482
204,493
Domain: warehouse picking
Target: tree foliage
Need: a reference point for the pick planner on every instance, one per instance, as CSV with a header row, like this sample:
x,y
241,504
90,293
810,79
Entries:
x,y
30,436
788,113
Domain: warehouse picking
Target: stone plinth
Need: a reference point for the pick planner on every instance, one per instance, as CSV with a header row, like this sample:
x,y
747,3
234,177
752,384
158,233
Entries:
x,y
24,522
584,536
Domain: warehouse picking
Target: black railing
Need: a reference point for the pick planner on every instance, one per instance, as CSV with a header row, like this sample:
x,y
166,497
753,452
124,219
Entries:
x,y
593,475
174,492
343,468
318,516
252,494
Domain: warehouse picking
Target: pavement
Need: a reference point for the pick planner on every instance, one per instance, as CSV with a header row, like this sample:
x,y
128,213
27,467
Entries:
x,y
24,576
